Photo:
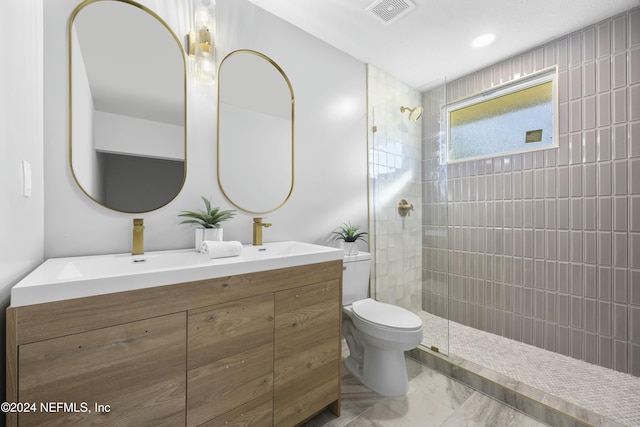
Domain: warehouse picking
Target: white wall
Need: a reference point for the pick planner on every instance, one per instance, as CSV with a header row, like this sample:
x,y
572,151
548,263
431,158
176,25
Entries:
x,y
21,219
331,160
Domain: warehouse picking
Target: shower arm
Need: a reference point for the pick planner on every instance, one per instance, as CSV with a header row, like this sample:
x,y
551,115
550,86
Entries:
x,y
414,113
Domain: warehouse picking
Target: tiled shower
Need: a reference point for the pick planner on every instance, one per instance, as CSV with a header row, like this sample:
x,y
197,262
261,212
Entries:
x,y
542,247
395,174
545,246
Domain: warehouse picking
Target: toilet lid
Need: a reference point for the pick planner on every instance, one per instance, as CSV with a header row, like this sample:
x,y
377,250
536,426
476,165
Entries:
x,y
386,314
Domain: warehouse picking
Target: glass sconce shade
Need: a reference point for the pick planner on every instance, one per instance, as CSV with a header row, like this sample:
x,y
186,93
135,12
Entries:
x,y
201,44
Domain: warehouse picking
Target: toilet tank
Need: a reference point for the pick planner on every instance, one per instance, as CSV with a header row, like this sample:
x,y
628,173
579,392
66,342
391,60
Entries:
x,y
355,277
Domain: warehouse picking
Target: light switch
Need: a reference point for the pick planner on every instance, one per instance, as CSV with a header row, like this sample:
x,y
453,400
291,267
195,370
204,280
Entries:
x,y
26,178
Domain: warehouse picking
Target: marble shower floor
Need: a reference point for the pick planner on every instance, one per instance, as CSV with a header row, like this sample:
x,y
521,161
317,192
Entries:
x,y
433,400
609,393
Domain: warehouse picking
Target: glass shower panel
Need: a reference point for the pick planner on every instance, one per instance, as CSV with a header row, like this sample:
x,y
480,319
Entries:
x,y
395,175
406,164
435,260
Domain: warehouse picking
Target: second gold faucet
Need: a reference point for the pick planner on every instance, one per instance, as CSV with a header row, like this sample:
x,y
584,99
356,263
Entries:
x,y
257,230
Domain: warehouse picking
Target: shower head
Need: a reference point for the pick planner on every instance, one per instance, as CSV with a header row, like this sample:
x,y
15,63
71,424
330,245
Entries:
x,y
414,113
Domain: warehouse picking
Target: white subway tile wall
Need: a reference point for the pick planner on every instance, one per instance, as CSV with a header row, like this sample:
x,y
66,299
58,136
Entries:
x,y
394,174
544,247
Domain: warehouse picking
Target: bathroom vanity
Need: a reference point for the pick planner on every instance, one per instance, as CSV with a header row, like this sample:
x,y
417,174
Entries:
x,y
259,348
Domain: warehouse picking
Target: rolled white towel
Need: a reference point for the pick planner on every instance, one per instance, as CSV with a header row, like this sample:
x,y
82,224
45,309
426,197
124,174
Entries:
x,y
220,249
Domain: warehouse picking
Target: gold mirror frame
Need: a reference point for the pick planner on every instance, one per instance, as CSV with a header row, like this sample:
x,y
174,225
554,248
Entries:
x,y
70,28
219,160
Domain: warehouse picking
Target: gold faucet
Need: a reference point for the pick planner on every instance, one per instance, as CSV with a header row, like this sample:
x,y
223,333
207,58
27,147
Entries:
x,y
257,230
138,236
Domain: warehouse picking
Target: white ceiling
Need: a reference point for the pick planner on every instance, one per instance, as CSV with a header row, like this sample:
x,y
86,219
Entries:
x,y
433,41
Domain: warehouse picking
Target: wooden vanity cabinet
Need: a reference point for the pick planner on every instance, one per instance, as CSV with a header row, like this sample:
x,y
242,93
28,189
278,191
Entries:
x,y
259,349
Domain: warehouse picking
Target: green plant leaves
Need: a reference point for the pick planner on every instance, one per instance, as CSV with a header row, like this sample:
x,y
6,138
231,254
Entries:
x,y
209,218
349,233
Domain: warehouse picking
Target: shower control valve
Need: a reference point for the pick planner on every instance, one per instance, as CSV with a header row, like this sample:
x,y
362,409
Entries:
x,y
404,208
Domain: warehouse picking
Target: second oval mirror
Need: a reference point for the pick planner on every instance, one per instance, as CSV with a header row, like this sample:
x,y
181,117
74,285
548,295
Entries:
x,y
255,132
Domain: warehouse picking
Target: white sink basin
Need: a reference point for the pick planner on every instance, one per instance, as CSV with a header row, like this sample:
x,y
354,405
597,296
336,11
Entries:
x,y
59,279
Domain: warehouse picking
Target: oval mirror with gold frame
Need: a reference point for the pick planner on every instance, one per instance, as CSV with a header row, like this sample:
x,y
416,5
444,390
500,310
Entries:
x,y
255,132
127,106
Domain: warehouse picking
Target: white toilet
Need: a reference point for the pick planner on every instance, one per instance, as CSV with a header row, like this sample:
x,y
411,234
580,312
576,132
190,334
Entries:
x,y
377,334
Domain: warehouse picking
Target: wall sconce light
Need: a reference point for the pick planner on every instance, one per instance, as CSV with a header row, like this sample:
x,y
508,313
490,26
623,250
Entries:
x,y
201,41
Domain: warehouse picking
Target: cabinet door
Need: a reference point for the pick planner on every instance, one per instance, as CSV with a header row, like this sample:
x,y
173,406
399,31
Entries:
x,y
230,362
135,371
307,351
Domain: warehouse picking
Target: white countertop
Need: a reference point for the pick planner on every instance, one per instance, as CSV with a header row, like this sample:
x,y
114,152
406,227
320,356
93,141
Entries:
x,y
60,279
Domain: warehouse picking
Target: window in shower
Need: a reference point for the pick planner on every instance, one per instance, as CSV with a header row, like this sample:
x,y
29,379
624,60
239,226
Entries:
x,y
515,117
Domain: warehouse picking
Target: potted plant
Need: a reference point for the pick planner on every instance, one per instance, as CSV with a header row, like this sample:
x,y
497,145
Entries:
x,y
348,235
208,221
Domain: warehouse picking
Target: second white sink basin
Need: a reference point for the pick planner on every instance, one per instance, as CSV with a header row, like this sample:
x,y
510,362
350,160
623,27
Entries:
x,y
65,278
284,249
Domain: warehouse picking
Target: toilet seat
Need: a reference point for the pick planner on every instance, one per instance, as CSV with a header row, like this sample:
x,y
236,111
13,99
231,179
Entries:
x,y
386,315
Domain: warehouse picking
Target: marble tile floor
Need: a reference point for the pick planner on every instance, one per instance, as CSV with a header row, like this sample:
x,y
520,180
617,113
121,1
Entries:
x,y
613,395
433,400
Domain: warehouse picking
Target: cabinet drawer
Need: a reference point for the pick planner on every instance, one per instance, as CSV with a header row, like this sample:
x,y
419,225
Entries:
x,y
223,330
219,387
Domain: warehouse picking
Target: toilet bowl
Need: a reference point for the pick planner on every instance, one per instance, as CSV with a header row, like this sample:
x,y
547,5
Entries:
x,y
377,334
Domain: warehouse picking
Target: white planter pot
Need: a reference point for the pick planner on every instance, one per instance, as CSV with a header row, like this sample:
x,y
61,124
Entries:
x,y
350,248
202,234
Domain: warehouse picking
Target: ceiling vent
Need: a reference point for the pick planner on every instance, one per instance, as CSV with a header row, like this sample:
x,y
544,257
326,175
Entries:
x,y
389,11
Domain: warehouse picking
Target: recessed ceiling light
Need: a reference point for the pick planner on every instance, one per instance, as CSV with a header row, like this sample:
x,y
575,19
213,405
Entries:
x,y
483,40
